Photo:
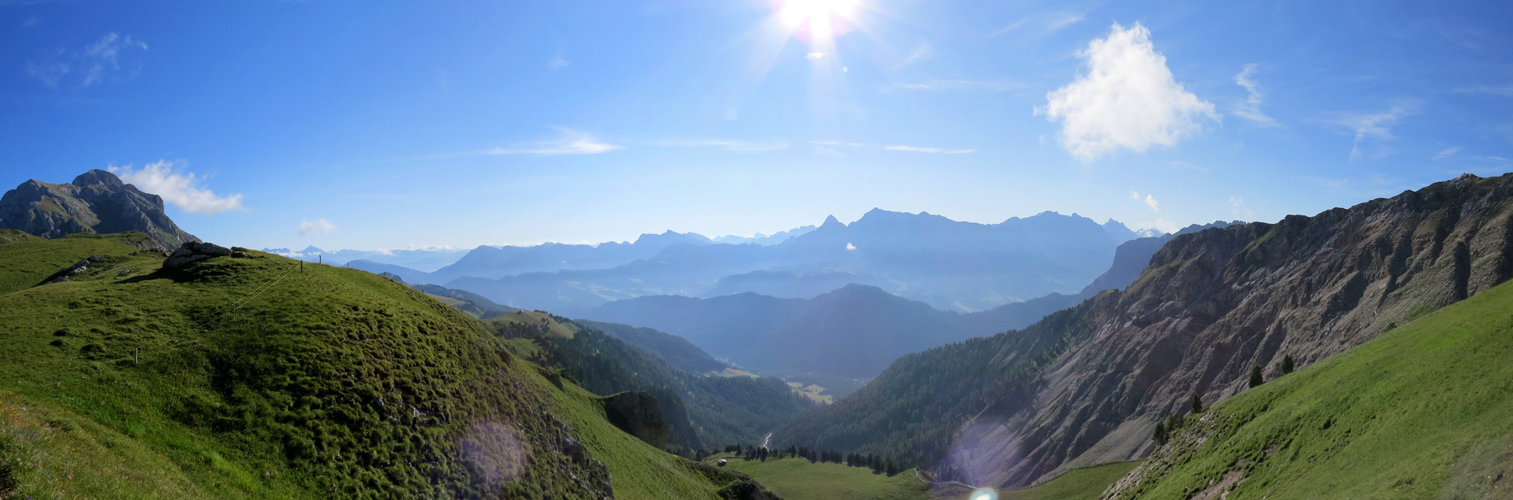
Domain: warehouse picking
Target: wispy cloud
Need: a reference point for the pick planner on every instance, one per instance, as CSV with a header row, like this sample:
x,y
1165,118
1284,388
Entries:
x,y
1063,20
1238,209
557,62
1448,152
93,64
921,53
181,189
571,142
1126,99
1503,90
831,146
946,85
917,149
1375,127
736,146
318,227
1250,109
1048,23
1016,25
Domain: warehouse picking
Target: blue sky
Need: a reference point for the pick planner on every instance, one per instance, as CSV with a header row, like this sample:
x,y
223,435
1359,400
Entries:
x,y
370,125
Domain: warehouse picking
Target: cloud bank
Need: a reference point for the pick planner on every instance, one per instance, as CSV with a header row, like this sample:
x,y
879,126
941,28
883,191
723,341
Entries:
x,y
1126,99
179,189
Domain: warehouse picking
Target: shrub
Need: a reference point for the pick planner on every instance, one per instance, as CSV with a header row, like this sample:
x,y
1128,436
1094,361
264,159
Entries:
x,y
1287,365
1255,376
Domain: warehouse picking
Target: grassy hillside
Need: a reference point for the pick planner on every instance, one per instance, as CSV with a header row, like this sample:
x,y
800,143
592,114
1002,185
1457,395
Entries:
x,y
1420,412
245,378
798,479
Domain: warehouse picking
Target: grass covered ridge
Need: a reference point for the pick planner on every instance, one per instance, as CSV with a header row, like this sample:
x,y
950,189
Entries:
x,y
1421,412
245,378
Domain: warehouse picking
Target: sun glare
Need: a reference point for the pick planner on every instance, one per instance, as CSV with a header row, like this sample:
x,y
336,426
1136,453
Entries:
x,y
821,17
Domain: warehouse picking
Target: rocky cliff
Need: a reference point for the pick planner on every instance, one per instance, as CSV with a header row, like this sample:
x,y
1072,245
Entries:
x,y
95,202
1215,303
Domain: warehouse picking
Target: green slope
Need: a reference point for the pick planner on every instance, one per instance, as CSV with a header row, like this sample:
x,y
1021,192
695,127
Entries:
x,y
1424,411
245,378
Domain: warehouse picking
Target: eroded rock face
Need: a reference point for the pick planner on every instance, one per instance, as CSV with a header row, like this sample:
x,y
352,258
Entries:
x,y
1212,304
638,414
95,202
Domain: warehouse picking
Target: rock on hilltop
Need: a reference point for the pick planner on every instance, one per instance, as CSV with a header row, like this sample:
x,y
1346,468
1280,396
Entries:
x,y
95,202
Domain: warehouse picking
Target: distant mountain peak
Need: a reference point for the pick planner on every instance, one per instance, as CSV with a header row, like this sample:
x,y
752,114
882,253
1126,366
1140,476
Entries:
x,y
831,221
96,202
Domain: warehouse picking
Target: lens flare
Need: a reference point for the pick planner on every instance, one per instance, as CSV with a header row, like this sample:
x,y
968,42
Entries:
x,y
984,494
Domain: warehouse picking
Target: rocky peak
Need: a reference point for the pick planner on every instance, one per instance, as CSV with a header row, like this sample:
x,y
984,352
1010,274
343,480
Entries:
x,y
96,202
98,177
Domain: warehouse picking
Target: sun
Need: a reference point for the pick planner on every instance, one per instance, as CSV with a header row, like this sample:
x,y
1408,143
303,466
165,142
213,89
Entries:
x,y
823,18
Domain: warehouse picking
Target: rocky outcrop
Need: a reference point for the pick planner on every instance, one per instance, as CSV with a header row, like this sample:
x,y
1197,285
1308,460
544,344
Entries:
x,y
95,202
638,414
1215,303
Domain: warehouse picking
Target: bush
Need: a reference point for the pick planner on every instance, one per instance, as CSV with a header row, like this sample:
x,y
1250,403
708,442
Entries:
x,y
1287,365
1255,376
1160,434
1197,404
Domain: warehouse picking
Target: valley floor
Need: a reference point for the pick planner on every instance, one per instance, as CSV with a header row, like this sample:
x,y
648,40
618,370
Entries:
x,y
799,479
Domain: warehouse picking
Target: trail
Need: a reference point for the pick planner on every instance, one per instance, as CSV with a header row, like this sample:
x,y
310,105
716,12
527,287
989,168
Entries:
x,y
766,439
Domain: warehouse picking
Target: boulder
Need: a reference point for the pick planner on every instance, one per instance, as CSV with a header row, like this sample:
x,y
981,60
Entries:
x,y
193,251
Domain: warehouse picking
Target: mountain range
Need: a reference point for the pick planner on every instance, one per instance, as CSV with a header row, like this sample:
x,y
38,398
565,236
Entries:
x,y
1087,385
851,332
947,264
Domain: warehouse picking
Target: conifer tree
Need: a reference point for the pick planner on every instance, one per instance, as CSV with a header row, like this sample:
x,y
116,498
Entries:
x,y
1287,364
1197,404
1160,434
1255,376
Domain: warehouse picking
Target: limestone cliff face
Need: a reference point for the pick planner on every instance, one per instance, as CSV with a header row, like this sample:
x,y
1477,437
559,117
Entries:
x,y
1215,303
95,202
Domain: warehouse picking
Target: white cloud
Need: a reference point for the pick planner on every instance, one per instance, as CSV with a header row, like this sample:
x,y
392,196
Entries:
x,y
1448,152
850,246
571,143
177,188
93,64
1050,23
1135,195
1164,226
814,55
1239,210
1009,28
1374,127
939,85
916,149
736,146
557,62
1128,98
920,54
318,227
1250,109
1150,201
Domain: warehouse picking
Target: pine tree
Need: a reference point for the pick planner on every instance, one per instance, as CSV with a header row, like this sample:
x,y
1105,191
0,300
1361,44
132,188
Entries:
x,y
890,469
1160,434
1197,404
1287,365
1255,376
